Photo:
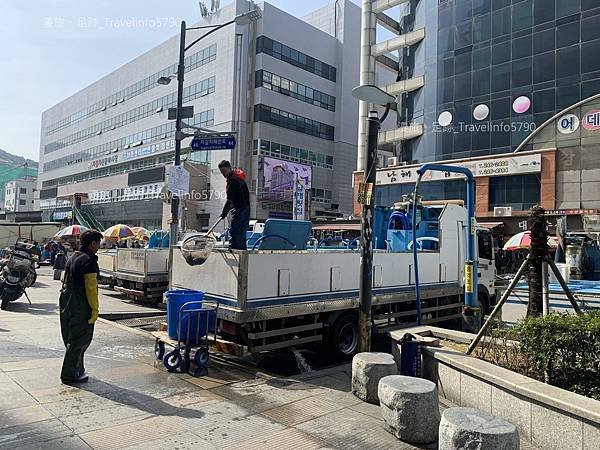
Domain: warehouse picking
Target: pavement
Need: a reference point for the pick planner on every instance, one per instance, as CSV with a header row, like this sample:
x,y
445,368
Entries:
x,y
131,402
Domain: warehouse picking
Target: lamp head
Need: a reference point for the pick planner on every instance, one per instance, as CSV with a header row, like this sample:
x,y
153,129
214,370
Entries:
x,y
372,94
248,17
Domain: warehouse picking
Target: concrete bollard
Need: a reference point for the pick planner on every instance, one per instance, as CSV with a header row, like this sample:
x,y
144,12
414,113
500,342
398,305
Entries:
x,y
469,428
367,370
410,408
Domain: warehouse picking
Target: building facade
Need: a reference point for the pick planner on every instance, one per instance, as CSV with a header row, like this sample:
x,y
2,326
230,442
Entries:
x,y
18,195
494,72
282,84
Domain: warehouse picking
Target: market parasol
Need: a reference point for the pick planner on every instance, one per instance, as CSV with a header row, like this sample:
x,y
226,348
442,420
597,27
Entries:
x,y
141,233
71,231
523,241
118,231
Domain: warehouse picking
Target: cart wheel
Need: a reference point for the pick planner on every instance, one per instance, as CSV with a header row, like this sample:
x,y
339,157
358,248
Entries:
x,y
201,357
159,349
173,360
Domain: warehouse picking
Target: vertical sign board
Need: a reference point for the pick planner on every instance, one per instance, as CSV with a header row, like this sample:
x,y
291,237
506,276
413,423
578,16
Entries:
x,y
299,199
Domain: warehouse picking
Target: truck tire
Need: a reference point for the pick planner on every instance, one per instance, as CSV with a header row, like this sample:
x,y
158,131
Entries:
x,y
484,300
342,339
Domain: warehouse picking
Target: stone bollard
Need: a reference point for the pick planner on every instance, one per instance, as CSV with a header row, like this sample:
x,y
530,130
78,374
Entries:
x,y
410,408
367,370
469,428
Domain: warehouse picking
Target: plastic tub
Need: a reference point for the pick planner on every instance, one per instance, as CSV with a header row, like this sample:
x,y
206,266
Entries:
x,y
176,298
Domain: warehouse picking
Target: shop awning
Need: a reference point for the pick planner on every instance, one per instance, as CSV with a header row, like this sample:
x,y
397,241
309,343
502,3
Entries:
x,y
338,227
490,225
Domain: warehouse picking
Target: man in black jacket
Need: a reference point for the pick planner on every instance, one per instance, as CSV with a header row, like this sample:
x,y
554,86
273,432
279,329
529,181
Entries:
x,y
238,202
79,306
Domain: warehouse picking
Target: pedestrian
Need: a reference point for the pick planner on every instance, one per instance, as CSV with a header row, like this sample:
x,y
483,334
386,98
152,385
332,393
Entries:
x,y
79,306
238,202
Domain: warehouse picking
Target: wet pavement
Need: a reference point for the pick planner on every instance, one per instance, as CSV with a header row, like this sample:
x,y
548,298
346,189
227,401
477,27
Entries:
x,y
132,402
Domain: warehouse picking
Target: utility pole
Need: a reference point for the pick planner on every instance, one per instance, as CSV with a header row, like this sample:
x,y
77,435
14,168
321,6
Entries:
x,y
174,227
366,237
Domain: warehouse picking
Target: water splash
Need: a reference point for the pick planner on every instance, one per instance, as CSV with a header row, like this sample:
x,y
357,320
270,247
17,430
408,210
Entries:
x,y
301,361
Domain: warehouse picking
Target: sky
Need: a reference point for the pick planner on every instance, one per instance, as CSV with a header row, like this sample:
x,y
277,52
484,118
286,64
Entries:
x,y
51,49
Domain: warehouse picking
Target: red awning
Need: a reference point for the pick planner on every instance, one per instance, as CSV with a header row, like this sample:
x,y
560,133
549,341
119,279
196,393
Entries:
x,y
490,225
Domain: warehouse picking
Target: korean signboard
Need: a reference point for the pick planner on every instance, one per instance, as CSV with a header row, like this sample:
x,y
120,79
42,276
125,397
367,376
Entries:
x,y
513,165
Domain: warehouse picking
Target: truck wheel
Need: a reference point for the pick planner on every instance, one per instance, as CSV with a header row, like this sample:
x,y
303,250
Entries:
x,y
484,302
342,341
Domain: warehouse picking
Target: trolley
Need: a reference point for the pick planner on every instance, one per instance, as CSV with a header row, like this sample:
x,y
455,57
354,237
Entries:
x,y
199,320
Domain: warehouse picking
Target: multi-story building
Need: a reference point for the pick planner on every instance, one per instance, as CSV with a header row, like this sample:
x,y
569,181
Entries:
x,y
18,195
475,79
283,84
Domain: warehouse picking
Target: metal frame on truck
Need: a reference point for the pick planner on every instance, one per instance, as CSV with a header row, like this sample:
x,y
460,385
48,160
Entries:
x,y
272,299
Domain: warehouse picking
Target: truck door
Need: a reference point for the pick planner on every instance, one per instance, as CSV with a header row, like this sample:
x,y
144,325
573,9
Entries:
x,y
486,267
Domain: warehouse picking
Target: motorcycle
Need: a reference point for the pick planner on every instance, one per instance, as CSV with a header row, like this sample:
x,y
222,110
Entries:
x,y
17,274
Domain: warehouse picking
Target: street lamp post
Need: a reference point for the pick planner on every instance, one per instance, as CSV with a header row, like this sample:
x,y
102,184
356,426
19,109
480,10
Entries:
x,y
369,94
241,19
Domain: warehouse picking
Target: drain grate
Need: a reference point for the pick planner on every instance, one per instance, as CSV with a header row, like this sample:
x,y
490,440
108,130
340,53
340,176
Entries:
x,y
143,322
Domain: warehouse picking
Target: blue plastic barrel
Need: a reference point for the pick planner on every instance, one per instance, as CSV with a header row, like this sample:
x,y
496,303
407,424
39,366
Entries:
x,y
176,298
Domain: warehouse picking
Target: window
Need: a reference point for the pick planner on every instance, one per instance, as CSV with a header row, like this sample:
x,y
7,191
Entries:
x,y
543,11
567,62
22,202
23,190
544,41
522,16
295,90
543,67
520,192
501,22
294,57
591,61
274,116
522,47
521,72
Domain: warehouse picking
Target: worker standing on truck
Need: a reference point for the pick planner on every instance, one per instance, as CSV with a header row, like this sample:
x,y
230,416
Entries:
x,y
238,202
79,306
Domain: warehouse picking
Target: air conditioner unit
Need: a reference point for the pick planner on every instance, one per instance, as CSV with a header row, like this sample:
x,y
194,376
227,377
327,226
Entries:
x,y
504,211
392,161
380,160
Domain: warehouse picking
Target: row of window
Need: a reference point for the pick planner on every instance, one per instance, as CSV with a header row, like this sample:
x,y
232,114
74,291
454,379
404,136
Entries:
x,y
112,170
10,191
192,62
158,133
526,13
274,116
294,154
192,92
563,68
295,57
299,91
320,195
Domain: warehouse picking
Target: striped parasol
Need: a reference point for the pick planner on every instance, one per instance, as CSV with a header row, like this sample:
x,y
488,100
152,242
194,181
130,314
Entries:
x,y
118,231
523,241
141,233
71,231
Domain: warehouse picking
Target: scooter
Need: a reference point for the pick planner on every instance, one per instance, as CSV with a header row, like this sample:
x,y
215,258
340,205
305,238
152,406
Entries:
x,y
17,274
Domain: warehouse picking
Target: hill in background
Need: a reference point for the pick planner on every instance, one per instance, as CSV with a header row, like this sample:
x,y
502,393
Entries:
x,y
13,167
